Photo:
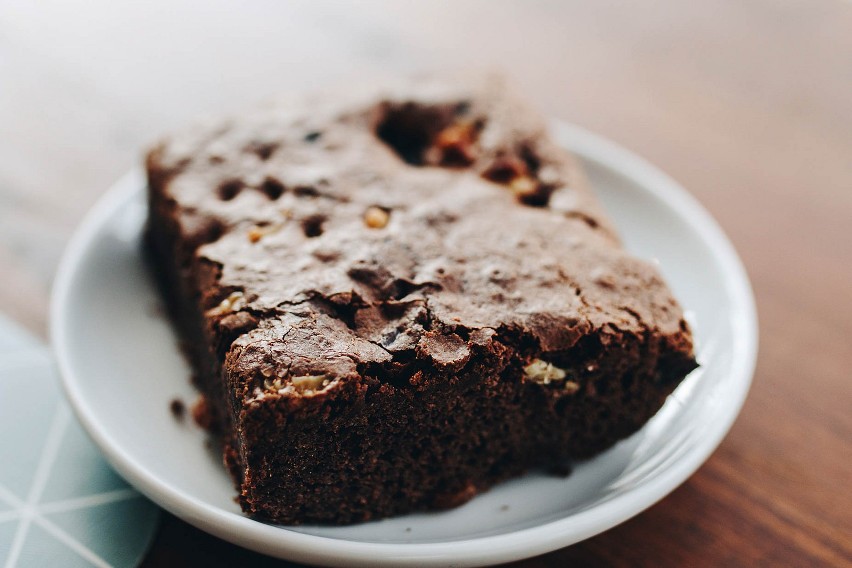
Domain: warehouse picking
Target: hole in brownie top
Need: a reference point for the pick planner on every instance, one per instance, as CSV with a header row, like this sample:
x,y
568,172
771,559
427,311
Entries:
x,y
229,189
518,170
527,153
312,226
306,191
408,129
201,230
272,188
430,135
262,150
447,135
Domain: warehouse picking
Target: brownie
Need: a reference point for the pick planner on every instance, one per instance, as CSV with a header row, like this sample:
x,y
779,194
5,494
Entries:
x,y
395,296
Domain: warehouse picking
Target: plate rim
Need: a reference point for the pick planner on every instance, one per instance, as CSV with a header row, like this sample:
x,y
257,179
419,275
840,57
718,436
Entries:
x,y
516,545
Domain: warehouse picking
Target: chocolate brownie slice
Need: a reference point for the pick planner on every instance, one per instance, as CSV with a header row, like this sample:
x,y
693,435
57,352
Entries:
x,y
396,296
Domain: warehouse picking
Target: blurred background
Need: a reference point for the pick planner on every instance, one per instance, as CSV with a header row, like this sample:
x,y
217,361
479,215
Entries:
x,y
747,103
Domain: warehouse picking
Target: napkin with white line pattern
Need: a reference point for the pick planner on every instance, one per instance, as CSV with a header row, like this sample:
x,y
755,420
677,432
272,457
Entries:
x,y
60,503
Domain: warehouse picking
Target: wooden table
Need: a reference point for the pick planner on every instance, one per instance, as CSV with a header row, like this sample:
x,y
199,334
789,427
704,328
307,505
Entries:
x,y
747,103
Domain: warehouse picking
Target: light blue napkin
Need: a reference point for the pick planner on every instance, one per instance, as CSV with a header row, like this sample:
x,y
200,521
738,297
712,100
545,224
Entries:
x,y
60,503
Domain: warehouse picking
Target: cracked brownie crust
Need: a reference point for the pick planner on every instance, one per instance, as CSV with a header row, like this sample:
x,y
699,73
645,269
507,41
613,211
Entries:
x,y
396,296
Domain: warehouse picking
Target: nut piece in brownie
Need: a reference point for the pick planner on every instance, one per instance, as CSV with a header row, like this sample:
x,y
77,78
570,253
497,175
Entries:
x,y
395,297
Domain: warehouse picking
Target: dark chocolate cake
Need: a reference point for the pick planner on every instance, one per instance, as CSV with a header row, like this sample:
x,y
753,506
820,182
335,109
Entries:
x,y
395,297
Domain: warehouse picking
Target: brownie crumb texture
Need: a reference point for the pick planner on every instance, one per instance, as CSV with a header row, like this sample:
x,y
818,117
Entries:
x,y
178,410
395,296
201,413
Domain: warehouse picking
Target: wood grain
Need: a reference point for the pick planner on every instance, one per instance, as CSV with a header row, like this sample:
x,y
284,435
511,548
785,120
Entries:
x,y
747,103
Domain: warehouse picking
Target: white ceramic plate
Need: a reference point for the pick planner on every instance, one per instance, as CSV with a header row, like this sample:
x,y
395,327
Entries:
x,y
121,368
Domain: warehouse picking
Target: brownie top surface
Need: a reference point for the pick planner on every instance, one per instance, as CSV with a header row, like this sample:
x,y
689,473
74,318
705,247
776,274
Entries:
x,y
419,218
